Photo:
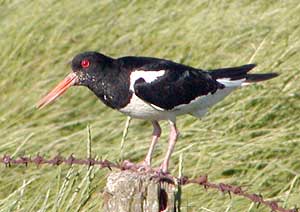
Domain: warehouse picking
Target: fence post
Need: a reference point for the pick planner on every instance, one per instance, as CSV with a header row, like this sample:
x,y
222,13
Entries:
x,y
128,191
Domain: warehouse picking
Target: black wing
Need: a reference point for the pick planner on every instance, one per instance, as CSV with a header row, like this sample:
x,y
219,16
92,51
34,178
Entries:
x,y
179,85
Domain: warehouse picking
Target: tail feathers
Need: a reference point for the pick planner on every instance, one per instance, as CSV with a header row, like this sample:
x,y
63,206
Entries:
x,y
238,76
260,77
233,73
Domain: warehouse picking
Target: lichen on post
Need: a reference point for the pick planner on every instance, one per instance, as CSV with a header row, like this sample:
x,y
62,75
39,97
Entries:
x,y
129,191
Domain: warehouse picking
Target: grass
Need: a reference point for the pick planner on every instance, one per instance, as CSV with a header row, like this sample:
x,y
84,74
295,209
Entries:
x,y
252,138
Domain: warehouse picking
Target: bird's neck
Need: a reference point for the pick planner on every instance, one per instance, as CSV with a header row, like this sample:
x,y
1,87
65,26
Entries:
x,y
113,88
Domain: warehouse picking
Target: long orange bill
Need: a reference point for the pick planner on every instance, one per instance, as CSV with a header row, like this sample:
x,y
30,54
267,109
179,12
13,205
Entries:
x,y
58,90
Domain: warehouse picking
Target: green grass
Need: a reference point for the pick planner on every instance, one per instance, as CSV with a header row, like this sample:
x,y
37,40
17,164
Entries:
x,y
251,139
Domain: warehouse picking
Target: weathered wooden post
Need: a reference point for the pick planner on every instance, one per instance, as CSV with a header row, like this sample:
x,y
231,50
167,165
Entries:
x,y
129,191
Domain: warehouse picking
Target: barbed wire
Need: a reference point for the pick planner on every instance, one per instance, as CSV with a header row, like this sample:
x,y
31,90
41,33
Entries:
x,y
58,160
38,160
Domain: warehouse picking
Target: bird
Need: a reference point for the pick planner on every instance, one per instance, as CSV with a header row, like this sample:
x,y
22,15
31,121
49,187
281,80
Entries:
x,y
153,89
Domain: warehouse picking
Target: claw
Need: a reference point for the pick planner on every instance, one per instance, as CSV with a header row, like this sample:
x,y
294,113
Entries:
x,y
144,167
160,170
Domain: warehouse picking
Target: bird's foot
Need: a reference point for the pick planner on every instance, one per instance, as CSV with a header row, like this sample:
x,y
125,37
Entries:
x,y
144,166
127,165
162,170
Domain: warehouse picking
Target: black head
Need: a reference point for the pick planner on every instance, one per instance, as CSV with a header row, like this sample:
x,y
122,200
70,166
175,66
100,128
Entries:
x,y
90,67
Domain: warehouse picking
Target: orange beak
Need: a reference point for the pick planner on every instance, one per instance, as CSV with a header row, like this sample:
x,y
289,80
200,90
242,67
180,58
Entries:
x,y
58,90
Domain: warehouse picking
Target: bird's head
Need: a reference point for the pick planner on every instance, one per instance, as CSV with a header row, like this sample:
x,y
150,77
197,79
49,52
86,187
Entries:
x,y
87,68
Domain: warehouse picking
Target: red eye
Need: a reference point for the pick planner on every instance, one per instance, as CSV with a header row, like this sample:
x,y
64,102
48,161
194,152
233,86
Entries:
x,y
85,63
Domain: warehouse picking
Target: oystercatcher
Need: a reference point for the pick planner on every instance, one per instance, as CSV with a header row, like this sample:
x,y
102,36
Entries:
x,y
153,89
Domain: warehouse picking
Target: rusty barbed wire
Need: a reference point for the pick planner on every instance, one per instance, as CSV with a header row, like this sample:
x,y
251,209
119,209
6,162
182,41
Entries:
x,y
201,180
57,160
227,188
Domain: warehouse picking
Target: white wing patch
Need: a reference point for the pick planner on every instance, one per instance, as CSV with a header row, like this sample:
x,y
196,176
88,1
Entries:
x,y
157,108
232,83
148,76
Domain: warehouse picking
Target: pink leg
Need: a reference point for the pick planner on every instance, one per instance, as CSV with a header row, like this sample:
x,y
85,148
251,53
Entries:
x,y
172,140
155,136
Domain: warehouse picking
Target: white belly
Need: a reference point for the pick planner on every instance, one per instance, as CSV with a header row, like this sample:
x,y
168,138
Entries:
x,y
137,108
200,105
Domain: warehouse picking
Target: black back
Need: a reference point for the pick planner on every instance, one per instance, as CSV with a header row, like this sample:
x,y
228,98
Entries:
x,y
179,85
